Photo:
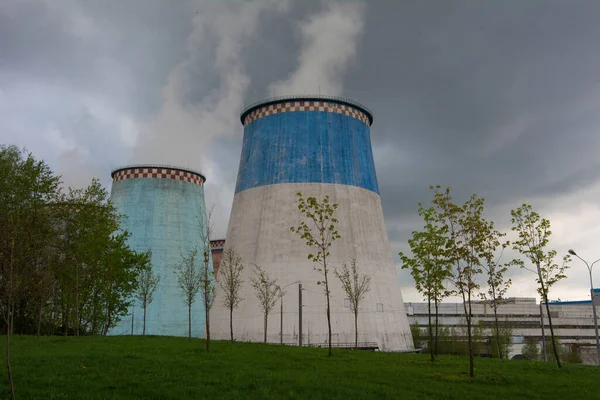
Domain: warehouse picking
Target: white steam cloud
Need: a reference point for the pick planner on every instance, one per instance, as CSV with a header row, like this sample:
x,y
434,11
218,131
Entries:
x,y
182,130
329,42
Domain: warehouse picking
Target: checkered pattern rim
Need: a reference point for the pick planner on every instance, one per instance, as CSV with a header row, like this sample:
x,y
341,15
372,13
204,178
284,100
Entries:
x,y
160,173
217,243
292,106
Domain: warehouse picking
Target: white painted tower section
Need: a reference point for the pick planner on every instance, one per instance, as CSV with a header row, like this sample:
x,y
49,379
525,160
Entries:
x,y
262,214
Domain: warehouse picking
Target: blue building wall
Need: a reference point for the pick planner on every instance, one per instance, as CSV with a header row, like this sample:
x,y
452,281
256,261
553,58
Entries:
x,y
307,146
163,215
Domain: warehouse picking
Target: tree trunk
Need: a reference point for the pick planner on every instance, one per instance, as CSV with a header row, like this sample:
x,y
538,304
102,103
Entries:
x,y
108,322
265,330
545,295
231,323
189,322
471,360
144,323
430,342
468,316
76,299
10,378
39,324
497,329
552,334
207,316
328,306
544,352
436,327
66,318
356,329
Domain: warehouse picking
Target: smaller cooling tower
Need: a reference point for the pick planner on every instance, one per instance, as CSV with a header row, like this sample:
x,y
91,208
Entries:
x,y
165,212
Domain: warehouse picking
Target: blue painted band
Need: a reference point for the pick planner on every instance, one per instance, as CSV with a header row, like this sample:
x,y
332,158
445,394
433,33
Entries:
x,y
307,147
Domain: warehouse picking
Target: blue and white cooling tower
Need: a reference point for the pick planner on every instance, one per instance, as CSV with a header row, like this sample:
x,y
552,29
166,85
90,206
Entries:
x,y
165,212
317,146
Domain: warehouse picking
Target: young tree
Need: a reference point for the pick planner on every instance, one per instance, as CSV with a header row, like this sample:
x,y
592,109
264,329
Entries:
x,y
497,284
147,283
466,229
534,234
429,266
207,281
189,281
267,292
230,281
356,287
319,237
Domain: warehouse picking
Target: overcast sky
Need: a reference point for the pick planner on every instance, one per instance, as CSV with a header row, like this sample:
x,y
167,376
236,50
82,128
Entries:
x,y
498,98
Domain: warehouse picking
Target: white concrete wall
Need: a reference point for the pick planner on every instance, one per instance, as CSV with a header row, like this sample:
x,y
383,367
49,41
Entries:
x,y
259,230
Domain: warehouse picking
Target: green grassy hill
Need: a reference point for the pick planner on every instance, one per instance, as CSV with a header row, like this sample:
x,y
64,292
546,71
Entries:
x,y
173,368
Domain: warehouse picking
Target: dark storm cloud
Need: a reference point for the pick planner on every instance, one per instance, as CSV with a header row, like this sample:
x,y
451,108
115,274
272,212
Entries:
x,y
489,97
495,98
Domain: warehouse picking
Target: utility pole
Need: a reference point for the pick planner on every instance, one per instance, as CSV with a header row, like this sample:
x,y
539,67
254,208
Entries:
x,y
300,314
589,267
281,293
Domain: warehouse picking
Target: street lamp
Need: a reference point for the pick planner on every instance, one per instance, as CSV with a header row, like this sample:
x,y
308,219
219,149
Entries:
x,y
589,267
281,310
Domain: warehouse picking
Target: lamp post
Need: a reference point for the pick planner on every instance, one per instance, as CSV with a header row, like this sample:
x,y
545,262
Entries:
x,y
281,310
589,267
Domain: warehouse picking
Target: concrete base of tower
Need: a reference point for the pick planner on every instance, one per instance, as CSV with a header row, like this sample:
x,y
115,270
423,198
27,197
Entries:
x,y
259,230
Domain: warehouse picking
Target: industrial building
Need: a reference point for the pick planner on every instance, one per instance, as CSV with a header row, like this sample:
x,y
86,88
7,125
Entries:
x,y
314,145
165,212
216,249
572,321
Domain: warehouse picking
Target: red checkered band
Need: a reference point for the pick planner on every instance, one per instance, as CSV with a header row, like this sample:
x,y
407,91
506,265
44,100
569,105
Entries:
x,y
291,106
160,173
215,244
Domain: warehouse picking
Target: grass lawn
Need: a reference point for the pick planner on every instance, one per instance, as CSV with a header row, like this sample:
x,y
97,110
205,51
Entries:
x,y
132,367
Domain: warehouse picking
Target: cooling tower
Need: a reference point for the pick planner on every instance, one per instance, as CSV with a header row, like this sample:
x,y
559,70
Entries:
x,y
165,212
317,146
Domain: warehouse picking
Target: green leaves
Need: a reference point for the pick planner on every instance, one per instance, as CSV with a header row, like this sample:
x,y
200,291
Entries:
x,y
534,236
323,231
430,265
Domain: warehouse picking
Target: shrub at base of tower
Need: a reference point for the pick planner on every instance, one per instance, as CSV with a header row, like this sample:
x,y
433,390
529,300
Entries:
x,y
321,214
534,233
147,284
189,281
531,350
230,281
267,292
356,286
